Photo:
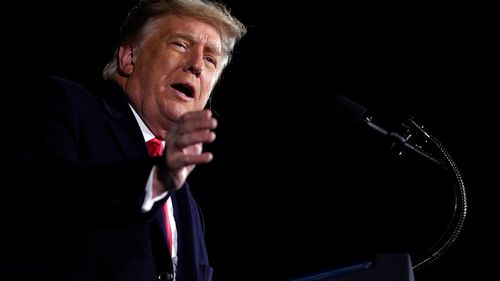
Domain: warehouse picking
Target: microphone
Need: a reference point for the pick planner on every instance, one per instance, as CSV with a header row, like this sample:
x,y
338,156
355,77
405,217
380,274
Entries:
x,y
355,116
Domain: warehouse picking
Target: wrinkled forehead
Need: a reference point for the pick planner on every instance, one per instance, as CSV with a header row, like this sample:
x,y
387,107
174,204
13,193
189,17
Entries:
x,y
195,28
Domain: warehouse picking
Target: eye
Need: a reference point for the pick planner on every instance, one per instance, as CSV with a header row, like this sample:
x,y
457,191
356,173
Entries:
x,y
180,45
211,60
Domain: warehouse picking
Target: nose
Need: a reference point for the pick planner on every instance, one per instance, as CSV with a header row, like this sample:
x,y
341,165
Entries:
x,y
195,63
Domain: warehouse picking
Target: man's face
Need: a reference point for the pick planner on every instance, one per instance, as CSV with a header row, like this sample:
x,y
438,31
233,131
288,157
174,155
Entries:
x,y
174,69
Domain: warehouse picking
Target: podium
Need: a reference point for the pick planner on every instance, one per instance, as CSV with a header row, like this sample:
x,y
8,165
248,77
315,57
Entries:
x,y
385,267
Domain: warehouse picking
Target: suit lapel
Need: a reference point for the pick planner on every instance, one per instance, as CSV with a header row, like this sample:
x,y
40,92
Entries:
x,y
159,244
122,123
187,257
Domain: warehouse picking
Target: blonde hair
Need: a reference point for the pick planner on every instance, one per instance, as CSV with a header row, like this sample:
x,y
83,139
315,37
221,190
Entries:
x,y
215,13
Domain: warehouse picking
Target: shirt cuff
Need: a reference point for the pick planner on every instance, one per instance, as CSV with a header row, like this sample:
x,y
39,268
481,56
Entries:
x,y
149,200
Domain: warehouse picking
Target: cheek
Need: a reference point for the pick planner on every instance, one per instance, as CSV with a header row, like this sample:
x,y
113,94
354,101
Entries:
x,y
205,100
207,87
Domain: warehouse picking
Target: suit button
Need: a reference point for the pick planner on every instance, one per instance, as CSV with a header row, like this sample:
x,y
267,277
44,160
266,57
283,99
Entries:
x,y
165,276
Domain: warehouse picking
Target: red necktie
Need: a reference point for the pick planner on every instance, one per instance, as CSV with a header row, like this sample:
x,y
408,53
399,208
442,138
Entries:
x,y
155,148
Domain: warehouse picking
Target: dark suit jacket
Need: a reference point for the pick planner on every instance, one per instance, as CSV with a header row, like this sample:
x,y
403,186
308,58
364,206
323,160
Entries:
x,y
76,185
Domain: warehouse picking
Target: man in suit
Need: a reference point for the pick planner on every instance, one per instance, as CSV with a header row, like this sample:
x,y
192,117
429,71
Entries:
x,y
86,201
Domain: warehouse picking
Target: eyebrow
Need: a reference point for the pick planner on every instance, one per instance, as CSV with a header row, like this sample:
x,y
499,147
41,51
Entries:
x,y
212,47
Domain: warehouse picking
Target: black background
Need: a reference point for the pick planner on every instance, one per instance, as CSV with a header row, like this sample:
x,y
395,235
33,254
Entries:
x,y
289,193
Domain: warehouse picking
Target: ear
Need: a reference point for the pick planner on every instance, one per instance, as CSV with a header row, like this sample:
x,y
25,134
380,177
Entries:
x,y
125,59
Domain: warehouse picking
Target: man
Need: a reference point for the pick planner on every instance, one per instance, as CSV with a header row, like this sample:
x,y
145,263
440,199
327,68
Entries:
x,y
87,201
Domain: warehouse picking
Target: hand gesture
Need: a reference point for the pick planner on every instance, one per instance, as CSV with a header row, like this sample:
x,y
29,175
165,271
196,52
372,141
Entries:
x,y
184,147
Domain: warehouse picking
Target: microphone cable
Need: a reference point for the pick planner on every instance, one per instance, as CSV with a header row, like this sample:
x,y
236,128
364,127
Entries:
x,y
457,221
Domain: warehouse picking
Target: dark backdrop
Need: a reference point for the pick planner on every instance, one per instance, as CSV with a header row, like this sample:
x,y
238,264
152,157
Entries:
x,y
289,192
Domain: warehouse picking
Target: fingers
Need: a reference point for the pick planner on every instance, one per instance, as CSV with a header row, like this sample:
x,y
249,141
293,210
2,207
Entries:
x,y
186,160
184,146
186,138
195,121
192,128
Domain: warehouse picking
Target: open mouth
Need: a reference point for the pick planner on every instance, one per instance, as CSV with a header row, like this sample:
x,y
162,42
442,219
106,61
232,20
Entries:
x,y
186,89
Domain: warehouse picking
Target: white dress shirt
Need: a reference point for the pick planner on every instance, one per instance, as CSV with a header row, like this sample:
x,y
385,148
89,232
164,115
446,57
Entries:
x,y
149,200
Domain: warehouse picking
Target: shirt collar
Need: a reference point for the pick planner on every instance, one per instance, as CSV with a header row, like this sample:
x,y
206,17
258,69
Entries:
x,y
146,132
